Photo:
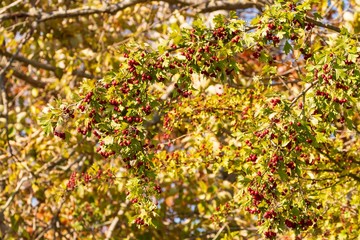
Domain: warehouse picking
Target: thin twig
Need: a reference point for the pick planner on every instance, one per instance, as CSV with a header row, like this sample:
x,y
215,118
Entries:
x,y
112,225
53,221
352,175
26,78
303,93
220,230
17,189
78,12
324,25
3,89
41,65
45,167
4,9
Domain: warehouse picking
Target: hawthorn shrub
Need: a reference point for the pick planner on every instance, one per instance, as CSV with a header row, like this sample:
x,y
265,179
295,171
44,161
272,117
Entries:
x,y
255,123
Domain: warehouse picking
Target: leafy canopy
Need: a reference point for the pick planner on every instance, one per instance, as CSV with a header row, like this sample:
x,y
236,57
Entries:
x,y
230,129
289,149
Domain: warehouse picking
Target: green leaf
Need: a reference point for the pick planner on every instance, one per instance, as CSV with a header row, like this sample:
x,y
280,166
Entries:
x,y
349,123
201,208
199,23
219,20
320,138
233,15
295,211
340,73
282,173
287,47
317,15
59,72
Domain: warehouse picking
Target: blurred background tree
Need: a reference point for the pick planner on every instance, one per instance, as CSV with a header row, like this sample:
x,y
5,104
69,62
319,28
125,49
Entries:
x,y
48,47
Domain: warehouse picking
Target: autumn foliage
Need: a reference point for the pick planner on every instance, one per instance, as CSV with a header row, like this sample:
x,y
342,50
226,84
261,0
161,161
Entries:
x,y
232,129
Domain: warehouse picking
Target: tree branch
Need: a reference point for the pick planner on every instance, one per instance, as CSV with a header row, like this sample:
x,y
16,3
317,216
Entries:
x,y
48,166
17,189
4,9
113,225
324,25
26,78
303,93
352,175
44,66
77,12
114,8
83,74
231,6
28,61
220,230
54,220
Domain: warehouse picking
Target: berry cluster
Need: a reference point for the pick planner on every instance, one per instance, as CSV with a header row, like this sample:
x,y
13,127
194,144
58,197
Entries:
x,y
88,97
146,109
132,64
291,165
262,134
219,33
340,101
184,93
253,211
252,158
66,113
257,51
157,188
270,214
275,101
309,26
270,234
82,108
72,182
305,53
323,94
273,163
341,86
139,221
59,134
270,34
256,196
189,53
348,62
235,39
86,177
290,224
303,224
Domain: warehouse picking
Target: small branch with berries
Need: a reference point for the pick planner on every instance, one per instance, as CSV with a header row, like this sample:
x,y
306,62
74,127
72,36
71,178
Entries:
x,y
303,93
